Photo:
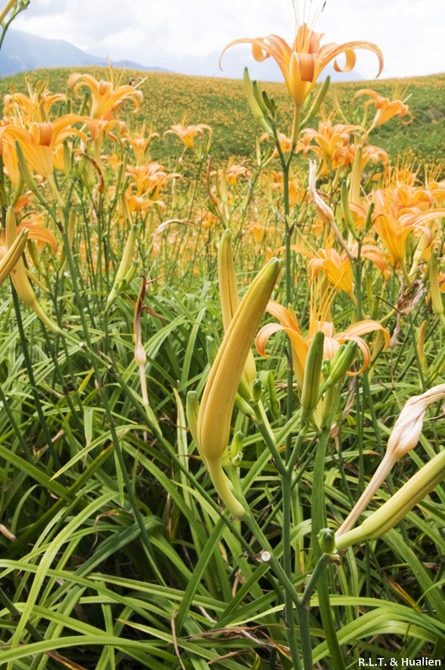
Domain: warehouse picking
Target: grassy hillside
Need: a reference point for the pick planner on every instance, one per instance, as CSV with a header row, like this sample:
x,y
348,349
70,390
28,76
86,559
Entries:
x,y
171,98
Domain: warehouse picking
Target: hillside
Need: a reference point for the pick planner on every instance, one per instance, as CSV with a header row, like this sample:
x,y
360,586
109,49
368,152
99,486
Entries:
x,y
221,103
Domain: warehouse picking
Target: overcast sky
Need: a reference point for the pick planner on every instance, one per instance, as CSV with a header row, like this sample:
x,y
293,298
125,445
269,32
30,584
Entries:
x,y
187,34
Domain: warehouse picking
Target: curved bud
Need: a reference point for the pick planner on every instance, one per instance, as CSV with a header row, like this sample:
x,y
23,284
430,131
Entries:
x,y
13,254
20,280
404,437
398,506
220,392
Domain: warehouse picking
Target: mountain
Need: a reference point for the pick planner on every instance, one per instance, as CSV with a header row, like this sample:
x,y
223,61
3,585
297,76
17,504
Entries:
x,y
23,51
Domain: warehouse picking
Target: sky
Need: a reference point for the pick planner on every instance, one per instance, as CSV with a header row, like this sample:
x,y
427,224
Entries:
x,y
188,35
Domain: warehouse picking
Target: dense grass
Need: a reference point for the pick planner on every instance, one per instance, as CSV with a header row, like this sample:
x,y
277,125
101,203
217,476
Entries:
x,y
116,551
221,103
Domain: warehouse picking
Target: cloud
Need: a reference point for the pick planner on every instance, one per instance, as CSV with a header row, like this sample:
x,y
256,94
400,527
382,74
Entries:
x,y
156,32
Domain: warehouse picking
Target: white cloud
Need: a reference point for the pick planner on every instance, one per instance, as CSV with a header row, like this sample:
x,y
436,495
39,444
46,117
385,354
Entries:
x,y
410,32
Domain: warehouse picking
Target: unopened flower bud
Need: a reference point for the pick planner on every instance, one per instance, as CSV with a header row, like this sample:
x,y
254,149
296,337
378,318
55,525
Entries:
x,y
257,390
236,448
326,540
341,362
398,506
312,372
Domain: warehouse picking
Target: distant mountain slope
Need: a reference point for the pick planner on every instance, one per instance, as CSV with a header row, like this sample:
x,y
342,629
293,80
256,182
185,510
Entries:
x,y
22,52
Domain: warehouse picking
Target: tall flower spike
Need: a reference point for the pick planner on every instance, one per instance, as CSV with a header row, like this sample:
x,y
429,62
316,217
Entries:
x,y
215,413
403,438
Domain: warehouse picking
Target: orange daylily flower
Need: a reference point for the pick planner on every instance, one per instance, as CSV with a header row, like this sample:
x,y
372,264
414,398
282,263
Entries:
x,y
394,225
35,106
188,133
386,109
300,344
105,98
302,63
327,138
39,143
140,143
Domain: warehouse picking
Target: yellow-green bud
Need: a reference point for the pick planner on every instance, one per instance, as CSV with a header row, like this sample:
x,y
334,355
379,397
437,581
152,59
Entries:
x,y
341,362
219,395
326,540
229,299
13,254
211,349
254,104
312,372
191,412
124,266
398,506
313,110
236,448
257,390
436,296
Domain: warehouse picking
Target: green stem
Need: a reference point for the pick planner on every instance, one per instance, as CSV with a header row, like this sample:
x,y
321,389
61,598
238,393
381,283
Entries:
x,y
319,522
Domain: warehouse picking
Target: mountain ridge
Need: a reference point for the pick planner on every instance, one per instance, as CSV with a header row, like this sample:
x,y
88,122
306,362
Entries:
x,y
22,52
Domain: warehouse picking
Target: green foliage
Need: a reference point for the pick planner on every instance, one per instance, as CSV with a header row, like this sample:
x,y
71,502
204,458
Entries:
x,y
171,98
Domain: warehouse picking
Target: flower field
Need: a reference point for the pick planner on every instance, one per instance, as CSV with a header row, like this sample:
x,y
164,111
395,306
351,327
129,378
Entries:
x,y
222,369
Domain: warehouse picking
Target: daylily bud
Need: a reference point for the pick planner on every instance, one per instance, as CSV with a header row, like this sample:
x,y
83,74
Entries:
x,y
356,178
398,506
269,102
236,448
313,110
347,215
421,346
13,254
123,266
254,105
323,210
20,278
312,372
25,172
219,394
436,296
404,436
326,540
257,390
268,381
341,362
229,300
211,349
191,411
